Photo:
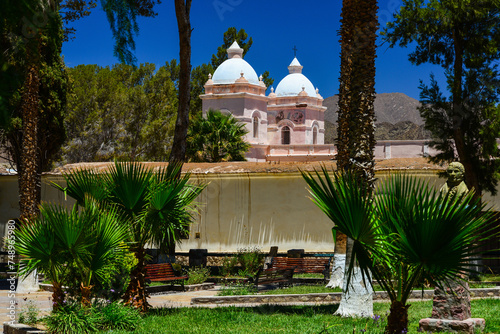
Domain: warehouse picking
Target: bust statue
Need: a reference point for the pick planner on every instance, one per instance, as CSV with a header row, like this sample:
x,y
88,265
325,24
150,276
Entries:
x,y
455,184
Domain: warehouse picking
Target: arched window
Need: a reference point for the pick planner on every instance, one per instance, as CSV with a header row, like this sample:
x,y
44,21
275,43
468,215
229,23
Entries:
x,y
255,127
285,135
315,135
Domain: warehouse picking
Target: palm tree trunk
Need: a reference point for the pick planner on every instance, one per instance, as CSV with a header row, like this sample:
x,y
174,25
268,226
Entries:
x,y
29,178
356,134
86,295
471,178
397,321
357,297
57,296
136,294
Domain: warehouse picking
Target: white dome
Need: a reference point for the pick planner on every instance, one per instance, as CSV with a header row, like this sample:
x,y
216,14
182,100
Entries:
x,y
292,84
231,69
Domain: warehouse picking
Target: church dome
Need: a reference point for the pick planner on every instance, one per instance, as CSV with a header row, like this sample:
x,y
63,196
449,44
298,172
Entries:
x,y
295,82
232,68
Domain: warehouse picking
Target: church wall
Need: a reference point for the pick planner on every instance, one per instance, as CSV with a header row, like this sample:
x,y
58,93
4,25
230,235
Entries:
x,y
235,105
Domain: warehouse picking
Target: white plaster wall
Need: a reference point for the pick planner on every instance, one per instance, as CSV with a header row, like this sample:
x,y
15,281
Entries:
x,y
262,210
238,210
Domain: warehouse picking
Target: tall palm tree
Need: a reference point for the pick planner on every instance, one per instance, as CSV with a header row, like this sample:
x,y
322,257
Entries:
x,y
356,135
356,119
156,207
57,240
409,232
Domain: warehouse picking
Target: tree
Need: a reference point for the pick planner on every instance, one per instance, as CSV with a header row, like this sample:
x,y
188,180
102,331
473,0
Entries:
x,y
481,125
32,131
230,36
356,131
464,39
127,112
155,206
216,138
58,240
409,232
122,20
182,12
31,33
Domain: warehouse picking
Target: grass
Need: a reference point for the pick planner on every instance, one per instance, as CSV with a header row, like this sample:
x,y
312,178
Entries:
x,y
489,277
308,275
291,319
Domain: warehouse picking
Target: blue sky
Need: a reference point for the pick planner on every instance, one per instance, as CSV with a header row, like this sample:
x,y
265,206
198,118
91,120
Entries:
x,y
275,26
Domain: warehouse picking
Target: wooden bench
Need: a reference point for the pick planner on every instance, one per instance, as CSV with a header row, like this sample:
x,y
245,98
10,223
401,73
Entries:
x,y
283,277
163,272
304,265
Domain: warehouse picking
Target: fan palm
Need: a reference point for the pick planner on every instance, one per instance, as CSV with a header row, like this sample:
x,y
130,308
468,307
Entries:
x,y
155,205
218,137
57,240
407,233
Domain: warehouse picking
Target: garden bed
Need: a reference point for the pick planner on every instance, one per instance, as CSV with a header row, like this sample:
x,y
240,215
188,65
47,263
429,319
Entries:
x,y
158,289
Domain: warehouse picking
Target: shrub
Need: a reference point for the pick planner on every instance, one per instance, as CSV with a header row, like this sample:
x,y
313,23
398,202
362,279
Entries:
x,y
117,316
29,314
71,319
197,275
117,278
229,265
177,268
250,260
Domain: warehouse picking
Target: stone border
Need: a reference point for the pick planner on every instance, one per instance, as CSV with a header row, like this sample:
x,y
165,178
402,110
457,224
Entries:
x,y
322,297
159,289
20,329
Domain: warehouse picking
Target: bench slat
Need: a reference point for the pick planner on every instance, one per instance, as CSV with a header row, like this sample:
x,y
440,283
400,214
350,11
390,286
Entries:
x,y
304,265
163,272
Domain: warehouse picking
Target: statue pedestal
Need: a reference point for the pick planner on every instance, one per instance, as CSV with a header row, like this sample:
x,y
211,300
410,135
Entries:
x,y
470,325
451,311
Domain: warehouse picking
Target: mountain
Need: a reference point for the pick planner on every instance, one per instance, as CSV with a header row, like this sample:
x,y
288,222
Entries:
x,y
397,118
389,108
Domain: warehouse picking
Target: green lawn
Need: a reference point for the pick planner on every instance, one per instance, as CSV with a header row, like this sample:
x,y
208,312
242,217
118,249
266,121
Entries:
x,y
291,319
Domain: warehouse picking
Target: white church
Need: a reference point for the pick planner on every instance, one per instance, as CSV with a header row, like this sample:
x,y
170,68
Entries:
x,y
286,125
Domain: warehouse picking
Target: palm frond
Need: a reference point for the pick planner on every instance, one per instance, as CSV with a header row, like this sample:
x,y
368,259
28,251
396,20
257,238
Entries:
x,y
348,204
83,183
129,183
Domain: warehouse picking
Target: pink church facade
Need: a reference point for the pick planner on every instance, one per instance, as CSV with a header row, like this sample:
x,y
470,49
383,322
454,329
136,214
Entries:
x,y
288,124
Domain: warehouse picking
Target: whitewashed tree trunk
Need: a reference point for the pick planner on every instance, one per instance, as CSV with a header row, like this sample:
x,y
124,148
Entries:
x,y
338,268
28,283
358,301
